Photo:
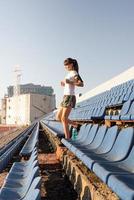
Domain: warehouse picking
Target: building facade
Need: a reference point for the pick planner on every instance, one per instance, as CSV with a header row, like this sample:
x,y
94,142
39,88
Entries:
x,y
26,108
31,88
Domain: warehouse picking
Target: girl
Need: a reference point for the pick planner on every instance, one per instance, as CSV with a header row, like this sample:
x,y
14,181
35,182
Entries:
x,y
71,80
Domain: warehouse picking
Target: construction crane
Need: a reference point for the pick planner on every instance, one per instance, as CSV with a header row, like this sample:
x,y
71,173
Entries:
x,y
17,79
16,92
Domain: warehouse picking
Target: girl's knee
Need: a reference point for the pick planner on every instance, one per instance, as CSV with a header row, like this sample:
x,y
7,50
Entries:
x,y
64,119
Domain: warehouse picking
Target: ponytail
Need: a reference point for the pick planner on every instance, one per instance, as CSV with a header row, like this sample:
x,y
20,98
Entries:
x,y
75,65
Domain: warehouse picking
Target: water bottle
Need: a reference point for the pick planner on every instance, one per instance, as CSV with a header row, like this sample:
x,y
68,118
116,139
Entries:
x,y
74,134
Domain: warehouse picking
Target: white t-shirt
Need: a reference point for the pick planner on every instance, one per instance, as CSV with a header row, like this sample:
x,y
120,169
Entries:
x,y
69,89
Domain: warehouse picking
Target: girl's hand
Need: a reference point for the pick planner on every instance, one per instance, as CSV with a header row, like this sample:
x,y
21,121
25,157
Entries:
x,y
78,81
62,83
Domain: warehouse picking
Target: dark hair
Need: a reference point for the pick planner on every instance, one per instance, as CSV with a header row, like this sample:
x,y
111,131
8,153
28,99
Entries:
x,y
74,62
75,66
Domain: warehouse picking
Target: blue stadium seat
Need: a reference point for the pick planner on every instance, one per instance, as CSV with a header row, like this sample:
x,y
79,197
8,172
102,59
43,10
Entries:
x,y
128,93
80,137
18,188
22,180
83,149
119,151
18,173
20,166
122,185
105,146
129,115
34,193
99,114
90,133
124,111
10,149
104,170
132,95
55,128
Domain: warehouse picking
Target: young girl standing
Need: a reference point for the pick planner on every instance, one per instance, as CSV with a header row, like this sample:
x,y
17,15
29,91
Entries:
x,y
71,80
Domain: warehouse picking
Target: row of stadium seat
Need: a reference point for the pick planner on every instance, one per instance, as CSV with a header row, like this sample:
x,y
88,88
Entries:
x,y
31,142
116,95
8,145
23,181
109,153
127,112
7,152
95,107
54,127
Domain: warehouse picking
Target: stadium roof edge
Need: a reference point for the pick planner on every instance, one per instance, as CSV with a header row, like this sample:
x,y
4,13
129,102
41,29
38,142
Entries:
x,y
121,78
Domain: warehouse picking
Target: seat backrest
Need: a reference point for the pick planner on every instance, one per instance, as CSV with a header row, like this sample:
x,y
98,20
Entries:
x,y
85,133
131,110
98,137
81,131
122,145
19,194
91,134
34,193
132,95
128,163
102,111
125,108
109,140
31,142
58,128
128,94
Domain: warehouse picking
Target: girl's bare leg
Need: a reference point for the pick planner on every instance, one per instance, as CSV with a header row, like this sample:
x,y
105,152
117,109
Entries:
x,y
59,114
64,119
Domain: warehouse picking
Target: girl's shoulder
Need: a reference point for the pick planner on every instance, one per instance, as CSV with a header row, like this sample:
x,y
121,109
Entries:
x,y
73,72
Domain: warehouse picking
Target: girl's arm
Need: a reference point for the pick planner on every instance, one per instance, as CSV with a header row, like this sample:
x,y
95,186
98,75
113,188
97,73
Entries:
x,y
76,82
62,83
79,83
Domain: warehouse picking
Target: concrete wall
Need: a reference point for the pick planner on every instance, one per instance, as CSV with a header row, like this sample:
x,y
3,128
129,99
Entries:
x,y
40,105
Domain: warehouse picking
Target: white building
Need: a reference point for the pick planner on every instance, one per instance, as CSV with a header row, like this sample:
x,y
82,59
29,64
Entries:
x,y
25,108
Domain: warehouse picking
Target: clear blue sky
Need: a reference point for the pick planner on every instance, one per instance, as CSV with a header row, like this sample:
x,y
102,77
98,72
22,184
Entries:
x,y
39,34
